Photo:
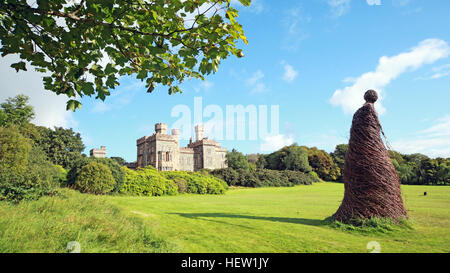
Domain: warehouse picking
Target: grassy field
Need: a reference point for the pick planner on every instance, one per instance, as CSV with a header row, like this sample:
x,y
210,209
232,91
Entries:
x,y
242,220
287,220
51,223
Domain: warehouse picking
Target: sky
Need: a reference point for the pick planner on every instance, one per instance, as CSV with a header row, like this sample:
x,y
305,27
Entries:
x,y
306,68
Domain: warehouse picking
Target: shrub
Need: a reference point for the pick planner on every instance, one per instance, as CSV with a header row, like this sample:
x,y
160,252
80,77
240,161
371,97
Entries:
x,y
62,174
198,182
229,175
265,177
95,178
181,184
14,150
116,170
147,182
75,169
27,174
299,178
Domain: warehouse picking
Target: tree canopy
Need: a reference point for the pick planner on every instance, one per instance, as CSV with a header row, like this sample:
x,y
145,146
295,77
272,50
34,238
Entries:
x,y
16,111
236,160
85,46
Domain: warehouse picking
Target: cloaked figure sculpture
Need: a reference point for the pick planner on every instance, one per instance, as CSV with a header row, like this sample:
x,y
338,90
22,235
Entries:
x,y
372,186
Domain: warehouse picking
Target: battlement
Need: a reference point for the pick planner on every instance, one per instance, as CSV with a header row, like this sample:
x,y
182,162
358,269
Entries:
x,y
98,153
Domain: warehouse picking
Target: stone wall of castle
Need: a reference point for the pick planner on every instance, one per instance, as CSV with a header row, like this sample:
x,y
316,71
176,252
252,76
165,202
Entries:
x,y
163,152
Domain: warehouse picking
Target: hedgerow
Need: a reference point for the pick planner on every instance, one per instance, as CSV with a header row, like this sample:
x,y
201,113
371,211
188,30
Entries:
x,y
147,182
265,177
198,182
150,182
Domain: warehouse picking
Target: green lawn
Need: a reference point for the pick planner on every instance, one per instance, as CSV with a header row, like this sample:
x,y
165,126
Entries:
x,y
286,220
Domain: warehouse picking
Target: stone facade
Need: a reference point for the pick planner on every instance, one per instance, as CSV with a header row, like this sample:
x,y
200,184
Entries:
x,y
99,153
163,152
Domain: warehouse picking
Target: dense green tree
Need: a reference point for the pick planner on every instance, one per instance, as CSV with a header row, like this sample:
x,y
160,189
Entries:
x,y
95,178
116,171
415,158
291,157
297,159
397,156
339,159
162,42
62,146
322,163
25,172
14,150
16,111
119,160
261,163
253,158
406,172
236,160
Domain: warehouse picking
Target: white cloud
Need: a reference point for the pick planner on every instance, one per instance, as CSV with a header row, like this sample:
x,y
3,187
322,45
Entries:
x,y
389,68
50,109
289,73
276,142
257,86
204,85
374,2
434,141
436,73
441,129
326,140
439,75
433,147
339,7
293,22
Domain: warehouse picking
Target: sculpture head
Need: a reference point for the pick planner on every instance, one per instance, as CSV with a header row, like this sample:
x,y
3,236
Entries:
x,y
371,96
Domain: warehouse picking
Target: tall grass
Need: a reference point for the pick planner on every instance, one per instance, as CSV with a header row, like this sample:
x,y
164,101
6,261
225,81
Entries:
x,y
50,223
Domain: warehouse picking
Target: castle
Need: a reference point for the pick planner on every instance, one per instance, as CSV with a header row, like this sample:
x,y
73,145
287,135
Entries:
x,y
163,152
99,153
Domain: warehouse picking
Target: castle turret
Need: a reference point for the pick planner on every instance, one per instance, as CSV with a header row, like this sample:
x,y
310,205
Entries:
x,y
199,132
176,134
161,128
99,153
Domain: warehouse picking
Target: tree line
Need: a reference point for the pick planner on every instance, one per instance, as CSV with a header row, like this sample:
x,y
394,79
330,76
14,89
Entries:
x,y
37,161
413,169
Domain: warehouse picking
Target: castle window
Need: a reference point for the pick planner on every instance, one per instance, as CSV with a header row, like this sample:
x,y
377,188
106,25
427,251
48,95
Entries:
x,y
167,156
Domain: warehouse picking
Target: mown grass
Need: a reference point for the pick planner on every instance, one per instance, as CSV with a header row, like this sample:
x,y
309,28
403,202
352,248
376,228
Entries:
x,y
290,220
243,220
50,223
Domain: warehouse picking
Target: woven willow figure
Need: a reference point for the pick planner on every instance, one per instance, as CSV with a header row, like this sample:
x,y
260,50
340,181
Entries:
x,y
372,186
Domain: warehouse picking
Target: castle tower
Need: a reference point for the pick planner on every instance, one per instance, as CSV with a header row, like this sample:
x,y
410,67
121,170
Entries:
x,y
99,153
199,132
161,128
176,134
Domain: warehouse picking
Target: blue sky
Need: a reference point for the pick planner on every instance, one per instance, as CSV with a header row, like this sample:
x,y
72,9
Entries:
x,y
314,59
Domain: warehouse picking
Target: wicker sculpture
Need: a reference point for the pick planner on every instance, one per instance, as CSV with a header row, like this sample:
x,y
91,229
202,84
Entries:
x,y
372,186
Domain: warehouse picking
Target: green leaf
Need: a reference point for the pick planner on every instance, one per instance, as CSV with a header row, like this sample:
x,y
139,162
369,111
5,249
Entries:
x,y
73,105
245,2
19,66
